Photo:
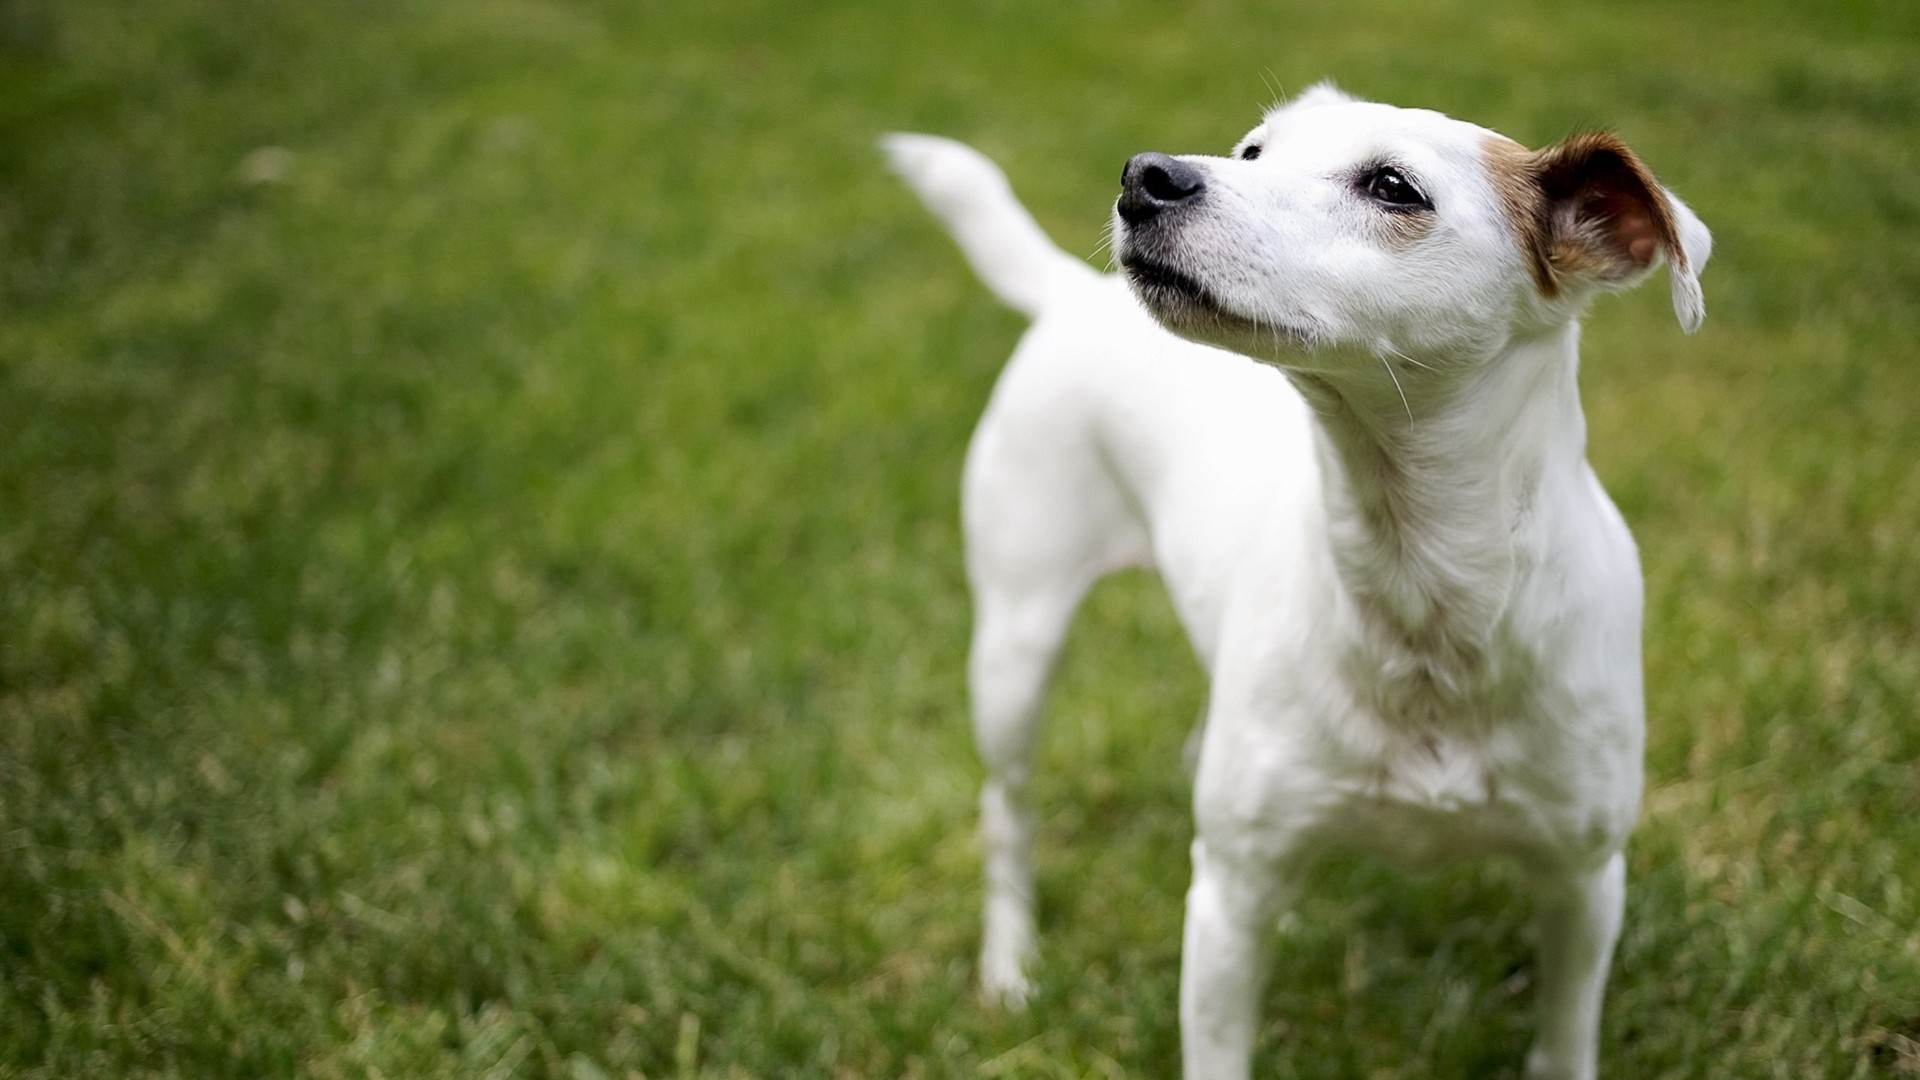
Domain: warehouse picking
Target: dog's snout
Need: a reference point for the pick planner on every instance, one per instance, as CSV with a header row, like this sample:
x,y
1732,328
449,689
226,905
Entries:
x,y
1153,182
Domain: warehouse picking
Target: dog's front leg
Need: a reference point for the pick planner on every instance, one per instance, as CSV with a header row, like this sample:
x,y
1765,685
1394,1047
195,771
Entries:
x,y
1231,908
1577,920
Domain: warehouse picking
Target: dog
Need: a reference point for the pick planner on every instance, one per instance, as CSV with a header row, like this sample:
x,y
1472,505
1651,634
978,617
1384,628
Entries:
x,y
1418,610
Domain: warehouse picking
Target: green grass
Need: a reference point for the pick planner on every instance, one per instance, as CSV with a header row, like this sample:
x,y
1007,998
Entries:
x,y
479,577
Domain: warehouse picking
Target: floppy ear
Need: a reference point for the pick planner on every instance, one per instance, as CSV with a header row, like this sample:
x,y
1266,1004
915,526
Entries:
x,y
1602,219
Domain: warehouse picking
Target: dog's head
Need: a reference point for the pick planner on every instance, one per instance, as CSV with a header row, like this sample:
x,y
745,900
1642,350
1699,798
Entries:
x,y
1347,225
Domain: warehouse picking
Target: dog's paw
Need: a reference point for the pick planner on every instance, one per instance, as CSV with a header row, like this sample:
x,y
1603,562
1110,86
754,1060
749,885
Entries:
x,y
1006,988
1003,970
1543,1064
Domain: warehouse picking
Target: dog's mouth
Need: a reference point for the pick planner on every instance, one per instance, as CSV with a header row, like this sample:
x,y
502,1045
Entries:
x,y
1187,307
1154,260
1169,292
1150,276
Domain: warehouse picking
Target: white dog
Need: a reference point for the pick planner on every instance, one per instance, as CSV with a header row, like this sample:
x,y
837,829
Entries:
x,y
1418,609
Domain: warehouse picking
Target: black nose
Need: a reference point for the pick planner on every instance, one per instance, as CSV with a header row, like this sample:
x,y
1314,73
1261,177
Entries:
x,y
1153,182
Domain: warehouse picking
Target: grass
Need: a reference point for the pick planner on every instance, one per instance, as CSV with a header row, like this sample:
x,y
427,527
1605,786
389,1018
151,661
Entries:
x,y
479,577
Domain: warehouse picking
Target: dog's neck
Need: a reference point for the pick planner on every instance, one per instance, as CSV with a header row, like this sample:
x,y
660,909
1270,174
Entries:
x,y
1437,488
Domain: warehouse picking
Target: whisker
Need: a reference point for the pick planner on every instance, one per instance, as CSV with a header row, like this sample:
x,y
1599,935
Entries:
x,y
1396,385
1409,359
1106,245
1272,82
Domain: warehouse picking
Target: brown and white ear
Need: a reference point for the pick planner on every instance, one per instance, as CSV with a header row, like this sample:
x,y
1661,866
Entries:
x,y
1696,246
1603,220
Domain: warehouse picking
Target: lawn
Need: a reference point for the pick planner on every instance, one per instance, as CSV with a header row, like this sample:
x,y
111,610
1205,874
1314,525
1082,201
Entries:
x,y
480,585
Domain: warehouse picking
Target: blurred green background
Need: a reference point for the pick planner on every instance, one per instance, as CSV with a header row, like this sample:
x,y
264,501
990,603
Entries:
x,y
479,574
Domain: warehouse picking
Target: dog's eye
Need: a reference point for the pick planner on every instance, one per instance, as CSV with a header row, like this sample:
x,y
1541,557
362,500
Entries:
x,y
1250,151
1391,186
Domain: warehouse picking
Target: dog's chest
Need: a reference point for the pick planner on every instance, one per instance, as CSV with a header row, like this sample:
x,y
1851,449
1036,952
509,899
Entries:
x,y
1439,779
1434,771
1428,797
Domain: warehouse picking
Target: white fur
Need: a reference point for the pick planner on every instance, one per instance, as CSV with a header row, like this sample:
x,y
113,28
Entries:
x,y
1418,609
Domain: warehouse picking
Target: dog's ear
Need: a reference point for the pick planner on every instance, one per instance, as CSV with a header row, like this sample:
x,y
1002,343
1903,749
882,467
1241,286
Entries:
x,y
1602,219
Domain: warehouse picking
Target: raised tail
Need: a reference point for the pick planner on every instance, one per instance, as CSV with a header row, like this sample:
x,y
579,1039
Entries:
x,y
1007,248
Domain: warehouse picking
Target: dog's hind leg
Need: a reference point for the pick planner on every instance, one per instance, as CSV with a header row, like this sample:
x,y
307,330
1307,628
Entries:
x,y
1041,528
1015,641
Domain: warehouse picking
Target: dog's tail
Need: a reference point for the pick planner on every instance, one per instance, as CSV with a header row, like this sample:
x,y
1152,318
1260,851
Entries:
x,y
1006,246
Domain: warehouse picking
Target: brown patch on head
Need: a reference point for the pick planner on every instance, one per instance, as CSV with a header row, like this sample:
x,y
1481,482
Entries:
x,y
1510,167
1585,209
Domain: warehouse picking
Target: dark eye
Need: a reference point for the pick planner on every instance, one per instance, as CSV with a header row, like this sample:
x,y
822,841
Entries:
x,y
1251,151
1391,186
